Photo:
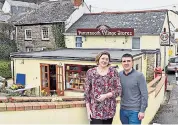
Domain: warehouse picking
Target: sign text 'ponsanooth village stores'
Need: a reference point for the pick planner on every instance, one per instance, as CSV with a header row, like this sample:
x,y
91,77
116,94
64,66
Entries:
x,y
104,30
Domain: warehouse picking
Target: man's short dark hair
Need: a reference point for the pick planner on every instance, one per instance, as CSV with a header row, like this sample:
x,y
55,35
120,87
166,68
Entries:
x,y
127,55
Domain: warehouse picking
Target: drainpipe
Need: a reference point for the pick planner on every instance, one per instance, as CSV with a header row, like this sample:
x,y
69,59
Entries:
x,y
12,69
168,27
169,45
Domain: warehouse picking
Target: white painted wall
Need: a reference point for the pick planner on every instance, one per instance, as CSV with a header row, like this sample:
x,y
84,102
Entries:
x,y
173,18
76,15
6,7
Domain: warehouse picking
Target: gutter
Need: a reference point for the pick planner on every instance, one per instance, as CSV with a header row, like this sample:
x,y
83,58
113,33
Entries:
x,y
13,74
32,24
67,58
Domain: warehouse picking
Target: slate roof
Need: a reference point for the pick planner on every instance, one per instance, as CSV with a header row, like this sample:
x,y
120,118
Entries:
x,y
48,12
32,1
29,1
21,3
143,22
87,54
20,6
1,5
15,10
2,1
16,17
4,17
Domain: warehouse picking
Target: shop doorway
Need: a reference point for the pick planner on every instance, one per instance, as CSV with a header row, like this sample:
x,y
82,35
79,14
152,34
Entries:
x,y
52,79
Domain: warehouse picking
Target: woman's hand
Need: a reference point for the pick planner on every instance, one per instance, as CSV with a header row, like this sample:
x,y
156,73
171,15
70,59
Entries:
x,y
102,97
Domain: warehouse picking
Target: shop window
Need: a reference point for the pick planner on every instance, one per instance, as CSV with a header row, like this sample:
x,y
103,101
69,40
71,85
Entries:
x,y
136,43
78,41
75,76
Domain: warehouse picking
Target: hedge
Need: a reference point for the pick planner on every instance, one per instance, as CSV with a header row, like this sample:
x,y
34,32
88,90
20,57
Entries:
x,y
5,70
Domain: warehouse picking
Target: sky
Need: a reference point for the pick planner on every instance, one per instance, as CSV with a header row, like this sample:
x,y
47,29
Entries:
x,y
128,5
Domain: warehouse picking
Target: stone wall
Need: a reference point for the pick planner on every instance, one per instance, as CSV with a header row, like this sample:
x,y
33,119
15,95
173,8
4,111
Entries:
x,y
138,64
150,67
36,43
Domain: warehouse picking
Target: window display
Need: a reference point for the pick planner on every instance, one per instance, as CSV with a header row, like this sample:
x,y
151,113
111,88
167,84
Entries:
x,y
75,76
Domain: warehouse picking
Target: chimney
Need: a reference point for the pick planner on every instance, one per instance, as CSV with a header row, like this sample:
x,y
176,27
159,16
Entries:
x,y
77,3
174,8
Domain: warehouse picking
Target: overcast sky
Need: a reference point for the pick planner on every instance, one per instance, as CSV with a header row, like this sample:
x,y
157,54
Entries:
x,y
125,5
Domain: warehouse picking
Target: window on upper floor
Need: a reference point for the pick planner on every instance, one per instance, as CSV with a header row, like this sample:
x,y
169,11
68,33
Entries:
x,y
78,42
45,33
28,34
136,43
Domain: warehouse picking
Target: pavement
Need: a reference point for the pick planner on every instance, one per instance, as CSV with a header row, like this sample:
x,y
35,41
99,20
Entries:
x,y
168,112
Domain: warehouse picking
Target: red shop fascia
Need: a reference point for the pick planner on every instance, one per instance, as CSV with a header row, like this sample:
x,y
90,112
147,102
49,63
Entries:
x,y
104,30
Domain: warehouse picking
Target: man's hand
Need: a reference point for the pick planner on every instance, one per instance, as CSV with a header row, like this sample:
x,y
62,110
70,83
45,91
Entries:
x,y
141,115
102,97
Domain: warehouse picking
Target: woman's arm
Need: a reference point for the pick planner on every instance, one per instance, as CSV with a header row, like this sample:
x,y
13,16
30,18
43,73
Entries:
x,y
117,85
87,88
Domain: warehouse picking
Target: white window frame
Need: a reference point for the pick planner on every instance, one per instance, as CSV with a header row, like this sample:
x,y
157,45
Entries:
x,y
140,43
26,38
78,43
42,33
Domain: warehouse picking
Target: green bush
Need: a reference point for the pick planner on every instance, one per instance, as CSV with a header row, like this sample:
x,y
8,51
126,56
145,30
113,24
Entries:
x,y
6,49
5,70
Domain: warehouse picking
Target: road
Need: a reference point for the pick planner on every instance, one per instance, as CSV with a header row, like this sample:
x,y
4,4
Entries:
x,y
168,113
171,78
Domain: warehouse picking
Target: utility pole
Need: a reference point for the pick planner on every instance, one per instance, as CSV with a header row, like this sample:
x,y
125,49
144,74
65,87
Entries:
x,y
164,41
165,54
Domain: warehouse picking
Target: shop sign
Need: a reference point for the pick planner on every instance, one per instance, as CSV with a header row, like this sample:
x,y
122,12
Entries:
x,y
164,39
104,30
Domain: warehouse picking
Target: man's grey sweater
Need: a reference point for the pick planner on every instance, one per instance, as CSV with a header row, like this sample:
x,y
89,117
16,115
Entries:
x,y
134,91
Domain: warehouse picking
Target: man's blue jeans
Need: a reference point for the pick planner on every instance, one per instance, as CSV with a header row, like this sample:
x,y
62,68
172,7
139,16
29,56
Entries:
x,y
129,117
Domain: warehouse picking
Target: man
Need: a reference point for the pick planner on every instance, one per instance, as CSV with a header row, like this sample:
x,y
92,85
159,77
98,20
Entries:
x,y
134,99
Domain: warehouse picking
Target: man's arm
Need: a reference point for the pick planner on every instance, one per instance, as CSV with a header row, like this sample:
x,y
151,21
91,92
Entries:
x,y
144,92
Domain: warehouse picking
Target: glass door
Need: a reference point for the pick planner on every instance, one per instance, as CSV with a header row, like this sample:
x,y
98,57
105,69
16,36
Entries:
x,y
59,81
45,79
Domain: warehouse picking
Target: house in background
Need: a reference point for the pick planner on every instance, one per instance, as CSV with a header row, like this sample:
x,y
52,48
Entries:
x,y
135,30
14,7
43,28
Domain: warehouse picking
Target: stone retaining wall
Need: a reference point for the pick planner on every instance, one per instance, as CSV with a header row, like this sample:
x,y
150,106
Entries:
x,y
150,67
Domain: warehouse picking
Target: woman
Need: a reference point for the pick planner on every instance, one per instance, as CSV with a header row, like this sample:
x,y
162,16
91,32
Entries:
x,y
102,86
